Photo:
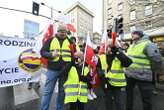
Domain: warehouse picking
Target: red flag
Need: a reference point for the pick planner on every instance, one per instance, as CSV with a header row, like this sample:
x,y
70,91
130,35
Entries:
x,y
71,28
114,35
90,59
89,51
49,33
104,43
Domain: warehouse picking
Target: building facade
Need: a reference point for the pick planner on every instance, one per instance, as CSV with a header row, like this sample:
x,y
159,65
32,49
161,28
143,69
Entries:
x,y
82,19
145,15
96,38
31,29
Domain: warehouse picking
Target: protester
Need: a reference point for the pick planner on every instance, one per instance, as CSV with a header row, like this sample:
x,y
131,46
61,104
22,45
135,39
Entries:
x,y
146,63
110,68
76,85
58,53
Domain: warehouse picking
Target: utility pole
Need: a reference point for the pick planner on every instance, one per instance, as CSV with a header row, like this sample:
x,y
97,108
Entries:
x,y
52,9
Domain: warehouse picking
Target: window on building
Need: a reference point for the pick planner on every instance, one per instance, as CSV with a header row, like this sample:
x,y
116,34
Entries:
x,y
110,21
133,15
120,6
132,2
80,13
109,1
119,16
72,20
148,24
132,28
120,1
109,11
148,10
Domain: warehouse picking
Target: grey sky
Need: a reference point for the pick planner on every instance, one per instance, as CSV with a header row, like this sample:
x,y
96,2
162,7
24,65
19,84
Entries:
x,y
93,5
11,23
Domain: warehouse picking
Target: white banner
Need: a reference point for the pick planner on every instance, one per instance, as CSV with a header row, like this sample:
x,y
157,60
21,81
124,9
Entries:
x,y
18,61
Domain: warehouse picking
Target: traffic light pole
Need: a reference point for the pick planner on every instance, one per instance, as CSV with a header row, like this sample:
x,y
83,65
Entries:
x,y
52,9
51,13
28,12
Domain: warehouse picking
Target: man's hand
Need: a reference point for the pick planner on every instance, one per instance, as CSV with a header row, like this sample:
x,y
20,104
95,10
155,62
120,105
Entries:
x,y
55,54
79,54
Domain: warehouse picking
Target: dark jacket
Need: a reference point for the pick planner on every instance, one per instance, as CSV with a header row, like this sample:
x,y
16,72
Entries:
x,y
125,60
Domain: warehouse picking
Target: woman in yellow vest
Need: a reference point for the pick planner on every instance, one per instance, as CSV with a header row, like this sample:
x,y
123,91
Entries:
x,y
110,68
75,87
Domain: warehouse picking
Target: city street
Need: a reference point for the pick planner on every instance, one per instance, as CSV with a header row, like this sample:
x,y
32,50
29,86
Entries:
x,y
113,48
20,98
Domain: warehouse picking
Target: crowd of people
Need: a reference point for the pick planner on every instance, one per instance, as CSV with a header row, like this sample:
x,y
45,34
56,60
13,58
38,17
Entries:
x,y
121,68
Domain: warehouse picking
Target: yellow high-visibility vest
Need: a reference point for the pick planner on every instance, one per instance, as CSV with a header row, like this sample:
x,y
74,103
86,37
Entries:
x,y
75,89
116,74
64,51
136,53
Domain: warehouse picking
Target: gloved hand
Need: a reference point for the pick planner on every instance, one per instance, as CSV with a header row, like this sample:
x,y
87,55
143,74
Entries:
x,y
114,50
85,78
101,73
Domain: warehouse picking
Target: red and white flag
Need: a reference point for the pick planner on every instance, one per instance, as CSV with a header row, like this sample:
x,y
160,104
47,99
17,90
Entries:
x,y
71,28
90,59
47,35
104,43
89,52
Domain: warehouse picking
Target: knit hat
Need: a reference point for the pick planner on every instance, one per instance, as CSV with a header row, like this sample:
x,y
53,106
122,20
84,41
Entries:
x,y
62,27
138,32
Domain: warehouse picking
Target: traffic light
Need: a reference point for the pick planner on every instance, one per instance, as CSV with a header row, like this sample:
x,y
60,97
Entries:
x,y
119,26
35,8
109,33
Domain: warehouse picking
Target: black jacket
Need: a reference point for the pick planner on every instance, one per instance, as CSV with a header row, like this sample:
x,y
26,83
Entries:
x,y
125,60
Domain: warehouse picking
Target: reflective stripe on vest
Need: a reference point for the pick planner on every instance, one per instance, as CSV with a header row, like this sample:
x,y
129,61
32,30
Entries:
x,y
116,74
117,71
75,86
75,94
63,51
72,87
136,53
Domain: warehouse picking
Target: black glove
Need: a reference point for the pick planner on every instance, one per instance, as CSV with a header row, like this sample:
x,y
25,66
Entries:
x,y
100,73
114,50
85,78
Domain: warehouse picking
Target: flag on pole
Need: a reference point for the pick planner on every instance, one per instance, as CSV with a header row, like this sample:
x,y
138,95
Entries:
x,y
114,35
71,28
90,59
104,43
47,33
89,52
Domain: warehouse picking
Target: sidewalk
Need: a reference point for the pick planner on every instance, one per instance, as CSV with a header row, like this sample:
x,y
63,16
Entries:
x,y
20,98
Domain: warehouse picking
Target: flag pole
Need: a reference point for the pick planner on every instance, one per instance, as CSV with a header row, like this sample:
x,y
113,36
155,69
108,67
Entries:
x,y
105,34
105,41
84,61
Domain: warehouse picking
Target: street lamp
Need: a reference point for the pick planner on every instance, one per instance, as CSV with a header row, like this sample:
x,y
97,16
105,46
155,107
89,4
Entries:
x,y
52,9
